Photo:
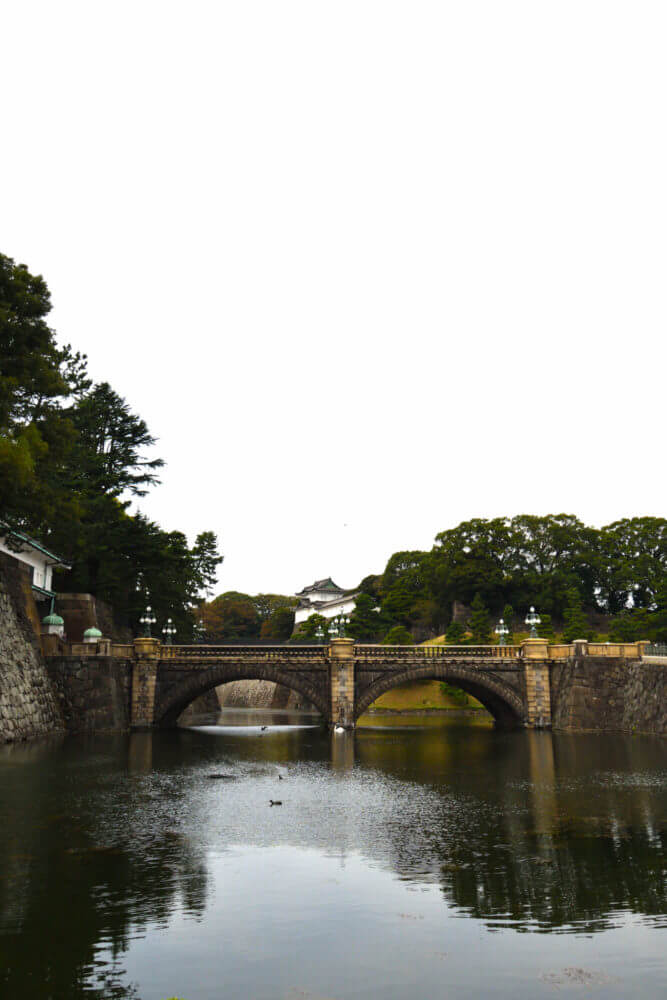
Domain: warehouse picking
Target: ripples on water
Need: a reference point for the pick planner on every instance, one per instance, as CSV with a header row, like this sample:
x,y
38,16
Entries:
x,y
404,861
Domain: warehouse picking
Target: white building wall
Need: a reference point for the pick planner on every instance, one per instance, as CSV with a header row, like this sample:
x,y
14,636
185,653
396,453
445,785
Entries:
x,y
42,572
345,607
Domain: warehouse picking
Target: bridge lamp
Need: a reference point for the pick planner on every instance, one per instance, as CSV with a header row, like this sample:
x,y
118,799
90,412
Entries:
x,y
168,632
319,633
147,619
343,622
501,631
532,620
199,632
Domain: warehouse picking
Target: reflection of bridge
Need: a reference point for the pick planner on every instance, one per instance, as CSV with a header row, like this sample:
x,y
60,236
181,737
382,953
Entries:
x,y
344,678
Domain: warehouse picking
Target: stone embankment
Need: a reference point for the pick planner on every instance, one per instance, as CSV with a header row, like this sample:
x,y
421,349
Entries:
x,y
28,706
590,693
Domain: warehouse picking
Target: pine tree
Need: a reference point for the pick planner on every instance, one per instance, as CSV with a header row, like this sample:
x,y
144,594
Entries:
x,y
545,629
576,626
479,620
455,633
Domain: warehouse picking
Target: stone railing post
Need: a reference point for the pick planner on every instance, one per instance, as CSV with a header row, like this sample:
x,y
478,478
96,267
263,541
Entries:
x,y
341,682
144,677
535,654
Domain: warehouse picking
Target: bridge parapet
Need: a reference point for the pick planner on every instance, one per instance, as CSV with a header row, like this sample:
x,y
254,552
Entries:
x,y
284,654
371,651
624,650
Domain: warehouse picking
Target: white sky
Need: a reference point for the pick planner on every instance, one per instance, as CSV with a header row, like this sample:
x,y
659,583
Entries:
x,y
367,269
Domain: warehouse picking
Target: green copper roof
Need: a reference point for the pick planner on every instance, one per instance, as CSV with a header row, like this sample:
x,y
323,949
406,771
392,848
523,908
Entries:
x,y
92,633
53,619
323,585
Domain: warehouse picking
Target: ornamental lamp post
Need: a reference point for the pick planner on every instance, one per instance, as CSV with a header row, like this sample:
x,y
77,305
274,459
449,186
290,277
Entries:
x,y
343,622
319,634
168,632
199,632
501,631
532,619
147,619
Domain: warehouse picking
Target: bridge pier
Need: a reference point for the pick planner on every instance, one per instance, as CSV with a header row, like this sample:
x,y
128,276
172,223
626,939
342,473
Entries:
x,y
341,683
144,680
538,683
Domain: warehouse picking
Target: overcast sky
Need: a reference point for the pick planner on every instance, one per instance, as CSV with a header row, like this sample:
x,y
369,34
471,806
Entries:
x,y
367,269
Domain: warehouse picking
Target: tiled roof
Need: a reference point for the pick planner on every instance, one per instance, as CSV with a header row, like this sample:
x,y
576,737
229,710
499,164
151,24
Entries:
x,y
322,585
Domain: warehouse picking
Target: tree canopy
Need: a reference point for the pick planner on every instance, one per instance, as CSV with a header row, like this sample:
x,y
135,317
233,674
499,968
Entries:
x,y
504,565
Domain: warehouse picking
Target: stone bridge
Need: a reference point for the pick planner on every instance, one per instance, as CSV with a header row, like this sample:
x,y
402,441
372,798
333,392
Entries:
x,y
603,687
344,678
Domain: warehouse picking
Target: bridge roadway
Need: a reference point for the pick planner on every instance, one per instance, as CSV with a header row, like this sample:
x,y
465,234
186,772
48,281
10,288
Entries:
x,y
344,678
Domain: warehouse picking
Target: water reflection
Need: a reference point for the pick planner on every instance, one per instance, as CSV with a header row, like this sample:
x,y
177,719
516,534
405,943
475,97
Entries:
x,y
107,840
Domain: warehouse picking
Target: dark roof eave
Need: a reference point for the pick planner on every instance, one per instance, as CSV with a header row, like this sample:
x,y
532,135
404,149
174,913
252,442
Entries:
x,y
57,561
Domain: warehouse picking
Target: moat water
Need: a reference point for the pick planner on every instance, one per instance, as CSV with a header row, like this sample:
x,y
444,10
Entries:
x,y
411,859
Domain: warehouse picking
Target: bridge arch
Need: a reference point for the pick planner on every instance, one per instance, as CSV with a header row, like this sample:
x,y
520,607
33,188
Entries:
x,y
174,697
504,703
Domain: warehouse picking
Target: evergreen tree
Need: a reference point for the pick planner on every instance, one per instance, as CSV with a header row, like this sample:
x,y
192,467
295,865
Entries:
x,y
398,636
366,621
308,630
110,445
545,629
479,620
206,559
455,633
576,626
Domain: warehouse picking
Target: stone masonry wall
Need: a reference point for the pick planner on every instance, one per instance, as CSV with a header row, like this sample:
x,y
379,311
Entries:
x,y
94,693
260,694
28,706
609,694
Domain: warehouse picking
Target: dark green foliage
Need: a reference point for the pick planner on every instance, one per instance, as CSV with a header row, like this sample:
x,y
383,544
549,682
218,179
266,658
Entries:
x,y
366,622
405,588
398,636
632,562
455,633
371,585
576,624
516,562
307,631
545,629
479,621
110,443
206,559
642,623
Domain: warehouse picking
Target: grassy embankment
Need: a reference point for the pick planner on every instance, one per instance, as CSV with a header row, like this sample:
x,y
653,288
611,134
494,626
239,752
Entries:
x,y
426,696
